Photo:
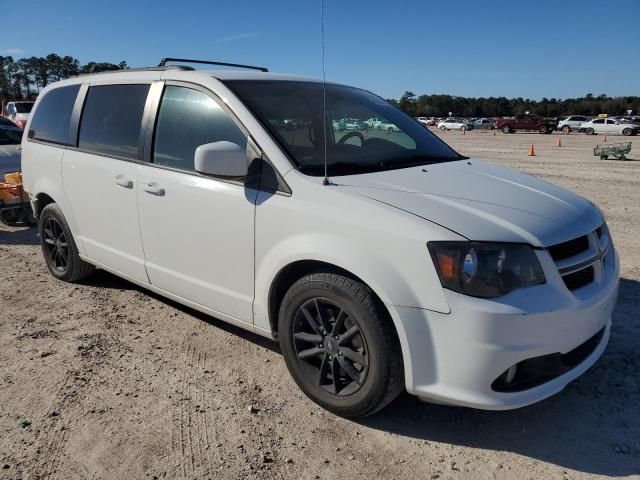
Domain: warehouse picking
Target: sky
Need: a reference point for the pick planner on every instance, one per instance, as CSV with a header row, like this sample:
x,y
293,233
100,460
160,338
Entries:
x,y
532,50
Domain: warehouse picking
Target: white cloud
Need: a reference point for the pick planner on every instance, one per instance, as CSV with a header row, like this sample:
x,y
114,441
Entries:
x,y
238,37
12,51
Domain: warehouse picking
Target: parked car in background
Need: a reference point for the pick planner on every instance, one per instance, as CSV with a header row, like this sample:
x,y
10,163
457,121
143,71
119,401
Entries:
x,y
572,122
454,124
338,125
354,124
526,122
609,126
484,124
10,138
18,112
388,127
423,120
373,122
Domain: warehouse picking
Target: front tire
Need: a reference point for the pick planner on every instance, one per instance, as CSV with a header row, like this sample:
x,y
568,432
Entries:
x,y
59,248
626,132
506,129
543,129
589,131
566,130
340,345
443,128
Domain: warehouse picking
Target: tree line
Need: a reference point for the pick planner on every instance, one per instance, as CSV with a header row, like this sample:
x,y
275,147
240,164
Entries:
x,y
441,105
22,79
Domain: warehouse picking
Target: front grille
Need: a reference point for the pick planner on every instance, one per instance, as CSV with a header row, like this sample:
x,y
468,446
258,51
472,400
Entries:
x,y
569,249
579,279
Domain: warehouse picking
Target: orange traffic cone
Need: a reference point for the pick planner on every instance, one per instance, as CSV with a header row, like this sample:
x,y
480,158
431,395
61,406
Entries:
x,y
605,139
558,143
531,153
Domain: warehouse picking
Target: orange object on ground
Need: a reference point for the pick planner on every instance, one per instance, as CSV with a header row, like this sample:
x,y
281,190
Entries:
x,y
558,143
605,138
531,152
13,177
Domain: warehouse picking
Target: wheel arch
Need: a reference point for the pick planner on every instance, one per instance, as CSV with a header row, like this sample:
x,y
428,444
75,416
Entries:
x,y
294,271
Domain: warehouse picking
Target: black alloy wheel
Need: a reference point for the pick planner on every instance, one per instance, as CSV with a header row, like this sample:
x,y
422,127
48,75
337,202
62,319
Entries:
x,y
55,244
329,341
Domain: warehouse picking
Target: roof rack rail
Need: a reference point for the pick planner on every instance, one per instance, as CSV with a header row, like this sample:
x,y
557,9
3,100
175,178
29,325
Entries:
x,y
164,61
139,69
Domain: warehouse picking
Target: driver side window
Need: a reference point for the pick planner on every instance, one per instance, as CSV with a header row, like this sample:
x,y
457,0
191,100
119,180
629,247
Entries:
x,y
188,118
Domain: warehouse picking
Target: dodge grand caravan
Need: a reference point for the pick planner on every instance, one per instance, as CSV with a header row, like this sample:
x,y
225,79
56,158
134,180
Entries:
x,y
380,261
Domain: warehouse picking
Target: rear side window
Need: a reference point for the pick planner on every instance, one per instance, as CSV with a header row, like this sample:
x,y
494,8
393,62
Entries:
x,y
187,119
51,119
112,118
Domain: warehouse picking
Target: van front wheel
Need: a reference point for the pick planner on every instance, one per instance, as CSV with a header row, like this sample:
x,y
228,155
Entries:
x,y
340,345
59,248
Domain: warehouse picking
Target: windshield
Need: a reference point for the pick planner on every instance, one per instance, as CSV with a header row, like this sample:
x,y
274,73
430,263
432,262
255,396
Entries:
x,y
23,107
10,136
364,132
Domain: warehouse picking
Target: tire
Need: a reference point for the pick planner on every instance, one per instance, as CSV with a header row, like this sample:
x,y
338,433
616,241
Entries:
x,y
566,129
443,128
590,131
28,218
359,389
604,157
543,129
59,248
506,129
9,217
627,131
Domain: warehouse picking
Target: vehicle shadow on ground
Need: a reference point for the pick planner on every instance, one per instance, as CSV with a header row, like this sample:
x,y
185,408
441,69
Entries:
x,y
592,426
104,279
18,236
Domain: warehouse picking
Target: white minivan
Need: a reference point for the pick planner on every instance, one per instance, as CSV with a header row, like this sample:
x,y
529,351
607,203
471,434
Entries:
x,y
379,262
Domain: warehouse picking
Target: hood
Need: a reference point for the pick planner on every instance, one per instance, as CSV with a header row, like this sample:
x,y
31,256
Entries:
x,y
481,202
9,159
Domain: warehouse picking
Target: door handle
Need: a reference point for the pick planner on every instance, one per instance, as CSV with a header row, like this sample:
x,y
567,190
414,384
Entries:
x,y
153,188
123,181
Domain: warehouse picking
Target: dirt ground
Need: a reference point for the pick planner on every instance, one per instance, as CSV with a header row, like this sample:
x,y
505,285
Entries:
x,y
103,380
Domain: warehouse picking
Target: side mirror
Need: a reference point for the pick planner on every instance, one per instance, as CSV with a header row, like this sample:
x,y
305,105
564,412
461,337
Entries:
x,y
223,159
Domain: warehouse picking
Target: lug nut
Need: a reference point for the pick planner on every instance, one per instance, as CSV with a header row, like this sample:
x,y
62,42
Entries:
x,y
340,353
337,337
330,357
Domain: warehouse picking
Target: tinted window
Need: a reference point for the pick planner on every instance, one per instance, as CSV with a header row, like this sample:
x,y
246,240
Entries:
x,y
51,119
599,121
187,119
111,119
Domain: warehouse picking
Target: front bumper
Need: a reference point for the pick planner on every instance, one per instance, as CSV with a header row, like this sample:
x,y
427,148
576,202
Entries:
x,y
455,358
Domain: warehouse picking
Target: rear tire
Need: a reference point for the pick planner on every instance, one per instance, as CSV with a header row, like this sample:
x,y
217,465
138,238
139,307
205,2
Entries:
x,y
589,131
330,323
443,128
506,129
566,130
543,129
59,248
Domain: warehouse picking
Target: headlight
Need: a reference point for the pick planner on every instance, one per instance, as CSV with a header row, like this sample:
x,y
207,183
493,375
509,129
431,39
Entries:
x,y
486,270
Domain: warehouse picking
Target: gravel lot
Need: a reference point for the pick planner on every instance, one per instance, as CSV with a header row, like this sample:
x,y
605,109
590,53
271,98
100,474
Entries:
x,y
105,380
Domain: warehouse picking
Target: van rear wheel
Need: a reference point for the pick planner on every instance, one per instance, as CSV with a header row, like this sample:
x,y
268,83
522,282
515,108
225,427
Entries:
x,y
339,345
59,248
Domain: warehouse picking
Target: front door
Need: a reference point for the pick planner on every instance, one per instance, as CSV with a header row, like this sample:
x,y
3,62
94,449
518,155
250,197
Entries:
x,y
197,231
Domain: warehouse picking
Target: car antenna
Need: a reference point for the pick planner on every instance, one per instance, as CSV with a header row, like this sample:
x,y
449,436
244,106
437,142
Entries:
x,y
324,98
